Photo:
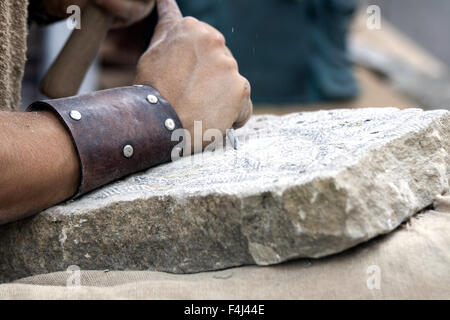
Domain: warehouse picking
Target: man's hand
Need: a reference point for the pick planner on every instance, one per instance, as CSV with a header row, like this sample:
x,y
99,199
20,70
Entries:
x,y
190,65
126,12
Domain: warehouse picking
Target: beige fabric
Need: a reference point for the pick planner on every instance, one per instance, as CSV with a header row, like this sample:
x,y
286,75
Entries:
x,y
412,262
13,32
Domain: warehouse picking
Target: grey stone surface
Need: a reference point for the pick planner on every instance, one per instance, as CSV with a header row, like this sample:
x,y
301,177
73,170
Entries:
x,y
301,185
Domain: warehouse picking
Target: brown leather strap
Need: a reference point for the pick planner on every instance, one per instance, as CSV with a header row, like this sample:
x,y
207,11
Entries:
x,y
117,131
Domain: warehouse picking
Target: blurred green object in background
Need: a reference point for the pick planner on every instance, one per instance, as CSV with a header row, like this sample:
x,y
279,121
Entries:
x,y
292,51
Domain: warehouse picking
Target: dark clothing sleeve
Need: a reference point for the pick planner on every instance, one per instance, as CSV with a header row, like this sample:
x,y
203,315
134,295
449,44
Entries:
x,y
291,51
38,15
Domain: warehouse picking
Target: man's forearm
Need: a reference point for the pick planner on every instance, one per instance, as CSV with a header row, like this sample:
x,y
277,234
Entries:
x,y
39,166
67,147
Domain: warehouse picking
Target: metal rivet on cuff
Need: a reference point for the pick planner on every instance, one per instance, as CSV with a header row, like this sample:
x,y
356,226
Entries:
x,y
170,124
75,115
128,151
152,99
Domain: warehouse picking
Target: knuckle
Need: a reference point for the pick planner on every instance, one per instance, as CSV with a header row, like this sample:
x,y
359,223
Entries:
x,y
247,87
189,23
217,38
210,40
209,37
229,63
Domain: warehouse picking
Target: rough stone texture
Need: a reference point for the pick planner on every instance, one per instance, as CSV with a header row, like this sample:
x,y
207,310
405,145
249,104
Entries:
x,y
301,185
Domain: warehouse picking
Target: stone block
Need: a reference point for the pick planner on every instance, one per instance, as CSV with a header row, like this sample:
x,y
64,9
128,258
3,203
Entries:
x,y
302,185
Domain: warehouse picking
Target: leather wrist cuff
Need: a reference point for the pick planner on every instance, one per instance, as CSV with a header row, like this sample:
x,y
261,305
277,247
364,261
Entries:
x,y
116,132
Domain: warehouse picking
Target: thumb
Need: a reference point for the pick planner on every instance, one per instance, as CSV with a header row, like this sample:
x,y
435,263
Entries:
x,y
168,14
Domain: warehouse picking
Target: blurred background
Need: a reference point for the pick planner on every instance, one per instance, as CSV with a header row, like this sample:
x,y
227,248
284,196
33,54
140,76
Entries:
x,y
299,55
